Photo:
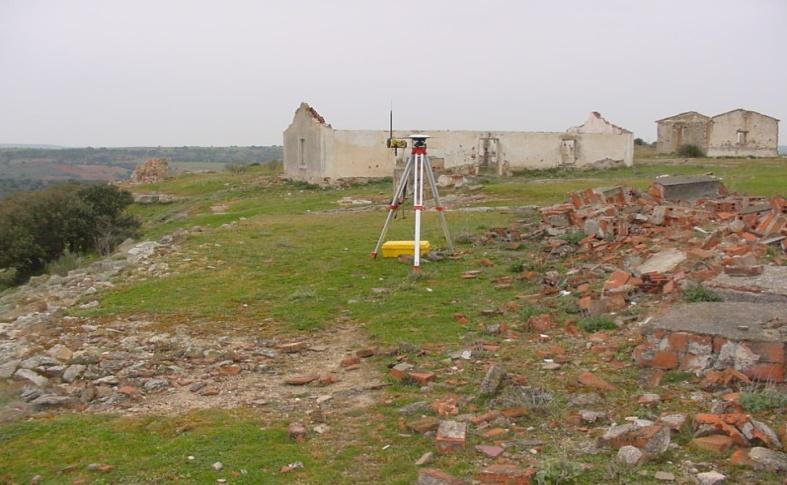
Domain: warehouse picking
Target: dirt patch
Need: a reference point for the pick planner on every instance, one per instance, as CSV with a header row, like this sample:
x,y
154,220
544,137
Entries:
x,y
321,357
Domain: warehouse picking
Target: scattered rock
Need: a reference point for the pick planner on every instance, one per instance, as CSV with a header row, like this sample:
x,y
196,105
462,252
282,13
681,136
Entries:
x,y
31,376
100,468
492,380
591,416
589,379
431,476
218,466
771,460
631,455
664,476
711,478
451,436
489,450
425,459
297,431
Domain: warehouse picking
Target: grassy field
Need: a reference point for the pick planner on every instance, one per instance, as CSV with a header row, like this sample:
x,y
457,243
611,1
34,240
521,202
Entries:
x,y
292,265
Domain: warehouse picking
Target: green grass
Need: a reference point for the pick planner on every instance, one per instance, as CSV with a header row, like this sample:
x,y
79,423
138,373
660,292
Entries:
x,y
763,400
698,293
595,324
144,450
756,177
293,266
304,271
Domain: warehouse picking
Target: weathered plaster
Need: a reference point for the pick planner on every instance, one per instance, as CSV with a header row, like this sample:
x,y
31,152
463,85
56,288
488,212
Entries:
x,y
315,152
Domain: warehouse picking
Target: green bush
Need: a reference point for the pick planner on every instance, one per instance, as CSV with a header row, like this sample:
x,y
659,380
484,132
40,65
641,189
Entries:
x,y
697,293
65,263
573,237
38,227
763,400
595,324
690,151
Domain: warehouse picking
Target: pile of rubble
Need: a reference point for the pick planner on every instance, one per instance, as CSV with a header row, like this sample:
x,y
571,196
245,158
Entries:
x,y
682,229
152,171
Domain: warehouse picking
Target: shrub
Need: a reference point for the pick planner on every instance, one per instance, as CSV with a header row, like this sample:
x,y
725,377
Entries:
x,y
691,151
595,324
639,141
38,227
573,237
697,293
65,263
763,400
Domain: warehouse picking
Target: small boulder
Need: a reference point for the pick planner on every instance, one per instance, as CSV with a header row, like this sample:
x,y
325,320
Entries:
x,y
631,456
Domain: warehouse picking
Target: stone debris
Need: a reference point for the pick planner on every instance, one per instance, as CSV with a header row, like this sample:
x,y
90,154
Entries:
x,y
151,171
707,338
451,436
631,455
431,476
492,380
711,478
651,438
768,459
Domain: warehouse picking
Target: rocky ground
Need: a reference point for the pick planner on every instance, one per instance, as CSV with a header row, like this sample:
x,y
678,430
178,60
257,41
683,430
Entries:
x,y
571,366
53,360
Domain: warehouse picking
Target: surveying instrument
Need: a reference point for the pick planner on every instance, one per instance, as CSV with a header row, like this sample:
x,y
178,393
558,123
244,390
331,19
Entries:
x,y
420,168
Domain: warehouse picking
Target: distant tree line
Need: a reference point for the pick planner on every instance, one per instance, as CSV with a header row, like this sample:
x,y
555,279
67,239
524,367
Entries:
x,y
9,185
134,155
39,227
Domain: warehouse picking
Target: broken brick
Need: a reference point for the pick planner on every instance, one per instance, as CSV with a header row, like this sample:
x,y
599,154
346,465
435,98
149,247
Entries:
x,y
451,436
505,475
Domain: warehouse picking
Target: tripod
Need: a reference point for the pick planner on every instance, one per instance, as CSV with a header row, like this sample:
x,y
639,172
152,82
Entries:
x,y
418,164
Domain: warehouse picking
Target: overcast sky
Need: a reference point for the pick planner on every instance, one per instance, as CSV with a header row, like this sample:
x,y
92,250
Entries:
x,y
169,72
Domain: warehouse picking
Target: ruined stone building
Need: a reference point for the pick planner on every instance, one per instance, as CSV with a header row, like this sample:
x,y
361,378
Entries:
x,y
316,152
736,133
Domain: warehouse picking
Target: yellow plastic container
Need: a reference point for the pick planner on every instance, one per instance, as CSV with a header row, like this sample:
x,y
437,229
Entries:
x,y
394,249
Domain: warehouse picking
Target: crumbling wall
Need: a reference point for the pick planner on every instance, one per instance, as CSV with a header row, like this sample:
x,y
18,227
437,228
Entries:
x,y
151,171
690,128
315,152
759,135
304,145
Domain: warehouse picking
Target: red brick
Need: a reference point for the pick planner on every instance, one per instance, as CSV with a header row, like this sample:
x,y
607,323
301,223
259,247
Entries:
x,y
765,372
514,412
616,280
348,361
678,341
768,351
421,377
451,436
665,360
716,443
505,475
591,380
301,380
487,416
740,457
423,425
718,343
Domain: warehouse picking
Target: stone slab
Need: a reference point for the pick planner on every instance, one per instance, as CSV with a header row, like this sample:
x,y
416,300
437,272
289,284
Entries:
x,y
768,287
766,322
688,187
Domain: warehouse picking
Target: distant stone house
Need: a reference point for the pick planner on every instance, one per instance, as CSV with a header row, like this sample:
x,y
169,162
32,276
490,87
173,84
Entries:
x,y
316,152
736,133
